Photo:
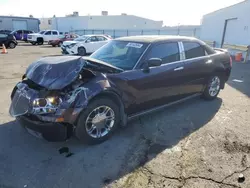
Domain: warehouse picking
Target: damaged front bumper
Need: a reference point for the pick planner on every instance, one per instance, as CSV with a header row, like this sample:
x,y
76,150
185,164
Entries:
x,y
66,50
57,126
50,131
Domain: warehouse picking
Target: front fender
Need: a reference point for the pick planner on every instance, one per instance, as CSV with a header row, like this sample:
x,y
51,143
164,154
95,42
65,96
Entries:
x,y
82,95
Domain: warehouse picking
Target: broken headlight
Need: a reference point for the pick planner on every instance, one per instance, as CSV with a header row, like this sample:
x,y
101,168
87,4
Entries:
x,y
46,105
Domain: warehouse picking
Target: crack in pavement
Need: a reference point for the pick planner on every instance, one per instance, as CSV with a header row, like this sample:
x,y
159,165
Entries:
x,y
183,180
236,172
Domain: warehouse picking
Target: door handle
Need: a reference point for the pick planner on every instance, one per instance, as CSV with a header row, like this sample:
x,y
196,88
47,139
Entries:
x,y
209,61
179,68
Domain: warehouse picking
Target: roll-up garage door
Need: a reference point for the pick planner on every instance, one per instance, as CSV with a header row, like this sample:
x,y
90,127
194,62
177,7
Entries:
x,y
19,24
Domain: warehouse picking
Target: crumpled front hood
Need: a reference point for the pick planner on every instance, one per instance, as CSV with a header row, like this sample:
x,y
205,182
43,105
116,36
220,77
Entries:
x,y
66,43
55,72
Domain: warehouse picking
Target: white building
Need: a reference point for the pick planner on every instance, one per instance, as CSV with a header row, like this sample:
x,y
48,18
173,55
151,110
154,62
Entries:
x,y
104,22
229,26
45,23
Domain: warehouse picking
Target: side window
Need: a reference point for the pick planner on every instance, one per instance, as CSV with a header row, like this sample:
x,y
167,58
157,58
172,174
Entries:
x,y
54,32
168,52
3,35
209,50
61,33
100,38
48,33
26,32
19,32
92,39
193,50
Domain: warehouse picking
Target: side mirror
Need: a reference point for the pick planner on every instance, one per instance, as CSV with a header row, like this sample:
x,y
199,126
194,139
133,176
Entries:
x,y
153,62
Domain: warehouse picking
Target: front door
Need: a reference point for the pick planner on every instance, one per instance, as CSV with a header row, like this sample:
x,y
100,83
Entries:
x,y
159,85
91,44
47,36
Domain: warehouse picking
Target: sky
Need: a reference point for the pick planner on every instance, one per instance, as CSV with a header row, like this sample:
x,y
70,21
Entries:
x,y
171,12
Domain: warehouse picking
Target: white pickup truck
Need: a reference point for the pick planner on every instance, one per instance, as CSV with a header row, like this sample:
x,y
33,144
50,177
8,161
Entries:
x,y
43,36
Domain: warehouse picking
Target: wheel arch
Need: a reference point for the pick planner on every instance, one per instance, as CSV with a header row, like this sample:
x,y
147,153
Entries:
x,y
82,46
222,73
116,98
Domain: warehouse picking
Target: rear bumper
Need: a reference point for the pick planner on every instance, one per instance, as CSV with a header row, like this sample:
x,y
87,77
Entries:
x,y
53,132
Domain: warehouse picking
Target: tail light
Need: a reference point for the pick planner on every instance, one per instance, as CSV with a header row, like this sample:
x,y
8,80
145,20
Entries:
x,y
231,62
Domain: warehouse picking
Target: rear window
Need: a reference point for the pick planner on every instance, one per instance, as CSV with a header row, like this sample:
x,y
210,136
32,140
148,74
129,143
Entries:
x,y
193,50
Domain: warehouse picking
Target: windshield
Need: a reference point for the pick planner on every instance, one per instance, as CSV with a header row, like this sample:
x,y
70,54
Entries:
x,y
81,38
41,32
121,54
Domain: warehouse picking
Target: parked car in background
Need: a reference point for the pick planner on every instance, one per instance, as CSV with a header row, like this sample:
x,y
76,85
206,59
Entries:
x,y
43,36
90,97
21,34
86,44
8,40
59,41
5,31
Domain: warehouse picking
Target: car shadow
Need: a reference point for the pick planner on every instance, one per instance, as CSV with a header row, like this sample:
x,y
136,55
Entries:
x,y
48,46
27,160
240,78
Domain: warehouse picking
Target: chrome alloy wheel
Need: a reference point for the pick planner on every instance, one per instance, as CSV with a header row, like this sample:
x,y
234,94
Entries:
x,y
214,86
100,121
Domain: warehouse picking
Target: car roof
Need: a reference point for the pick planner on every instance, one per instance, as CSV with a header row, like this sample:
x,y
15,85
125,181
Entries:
x,y
91,35
156,38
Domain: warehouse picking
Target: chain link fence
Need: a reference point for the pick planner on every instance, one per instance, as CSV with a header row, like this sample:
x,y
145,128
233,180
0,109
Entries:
x,y
194,32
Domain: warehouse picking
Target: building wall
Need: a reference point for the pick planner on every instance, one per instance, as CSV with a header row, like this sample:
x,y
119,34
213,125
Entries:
x,y
7,23
45,23
104,22
238,28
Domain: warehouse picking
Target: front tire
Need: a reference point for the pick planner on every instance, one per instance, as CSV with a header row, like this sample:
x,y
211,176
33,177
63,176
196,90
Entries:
x,y
98,121
40,41
213,88
81,51
12,45
60,44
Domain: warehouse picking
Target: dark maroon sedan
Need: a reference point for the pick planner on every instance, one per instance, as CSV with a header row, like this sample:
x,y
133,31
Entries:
x,y
90,97
60,40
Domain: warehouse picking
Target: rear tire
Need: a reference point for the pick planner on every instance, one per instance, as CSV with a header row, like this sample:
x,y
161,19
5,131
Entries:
x,y
89,125
33,43
213,87
81,51
53,45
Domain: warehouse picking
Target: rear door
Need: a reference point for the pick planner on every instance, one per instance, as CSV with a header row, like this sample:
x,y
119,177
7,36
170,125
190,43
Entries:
x,y
55,35
101,41
160,85
25,34
197,67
